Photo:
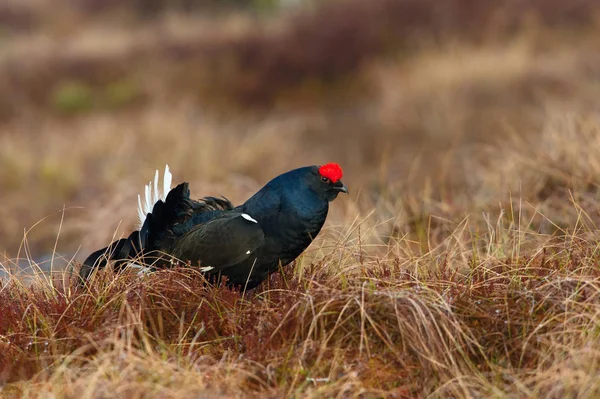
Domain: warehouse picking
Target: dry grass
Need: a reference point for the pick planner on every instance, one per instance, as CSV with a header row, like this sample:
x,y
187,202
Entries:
x,y
478,316
464,263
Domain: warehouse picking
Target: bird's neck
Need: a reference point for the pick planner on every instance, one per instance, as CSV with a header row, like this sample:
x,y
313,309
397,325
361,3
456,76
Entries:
x,y
294,205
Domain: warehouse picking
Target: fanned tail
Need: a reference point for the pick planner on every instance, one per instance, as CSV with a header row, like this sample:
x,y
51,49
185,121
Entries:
x,y
152,194
125,249
176,208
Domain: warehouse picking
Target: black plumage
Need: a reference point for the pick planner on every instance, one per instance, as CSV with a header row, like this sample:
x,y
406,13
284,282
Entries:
x,y
244,243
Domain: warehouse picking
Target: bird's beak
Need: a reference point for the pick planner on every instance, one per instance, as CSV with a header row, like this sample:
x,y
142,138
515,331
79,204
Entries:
x,y
341,187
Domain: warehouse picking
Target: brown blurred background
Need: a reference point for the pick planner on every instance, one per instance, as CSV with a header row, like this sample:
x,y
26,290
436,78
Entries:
x,y
435,109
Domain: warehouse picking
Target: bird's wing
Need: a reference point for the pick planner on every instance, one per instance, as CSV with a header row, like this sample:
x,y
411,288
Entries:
x,y
221,242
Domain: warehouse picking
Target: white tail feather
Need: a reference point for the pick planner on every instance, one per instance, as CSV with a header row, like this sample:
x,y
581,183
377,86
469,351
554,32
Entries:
x,y
167,183
155,188
150,199
148,195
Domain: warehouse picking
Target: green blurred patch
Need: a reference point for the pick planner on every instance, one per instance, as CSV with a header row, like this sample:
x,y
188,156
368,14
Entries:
x,y
72,97
266,5
76,97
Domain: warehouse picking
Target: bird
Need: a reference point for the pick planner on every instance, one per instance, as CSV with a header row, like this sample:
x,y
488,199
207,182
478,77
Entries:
x,y
244,243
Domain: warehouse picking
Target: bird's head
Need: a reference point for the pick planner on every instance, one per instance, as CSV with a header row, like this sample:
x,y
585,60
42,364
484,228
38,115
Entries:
x,y
326,181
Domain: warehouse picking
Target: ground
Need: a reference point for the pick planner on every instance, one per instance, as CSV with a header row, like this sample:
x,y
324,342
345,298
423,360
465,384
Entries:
x,y
464,262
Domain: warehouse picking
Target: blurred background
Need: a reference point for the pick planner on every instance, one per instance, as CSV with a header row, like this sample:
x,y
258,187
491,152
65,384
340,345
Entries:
x,y
435,110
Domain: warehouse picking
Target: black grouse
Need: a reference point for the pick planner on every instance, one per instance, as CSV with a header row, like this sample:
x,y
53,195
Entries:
x,y
244,243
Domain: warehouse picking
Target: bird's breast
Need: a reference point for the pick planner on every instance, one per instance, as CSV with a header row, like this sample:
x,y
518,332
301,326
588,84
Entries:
x,y
288,234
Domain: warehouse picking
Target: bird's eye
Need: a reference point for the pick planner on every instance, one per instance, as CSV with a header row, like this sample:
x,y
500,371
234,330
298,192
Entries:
x,y
325,179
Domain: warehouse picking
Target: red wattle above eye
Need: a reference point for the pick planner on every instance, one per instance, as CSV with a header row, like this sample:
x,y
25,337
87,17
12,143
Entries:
x,y
331,171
